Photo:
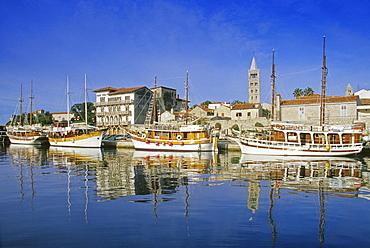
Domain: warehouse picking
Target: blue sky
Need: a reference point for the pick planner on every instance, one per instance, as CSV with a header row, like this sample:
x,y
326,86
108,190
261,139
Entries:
x,y
125,43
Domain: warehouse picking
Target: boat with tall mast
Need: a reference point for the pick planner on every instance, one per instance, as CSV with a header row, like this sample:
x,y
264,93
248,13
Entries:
x,y
73,135
173,137
20,132
299,139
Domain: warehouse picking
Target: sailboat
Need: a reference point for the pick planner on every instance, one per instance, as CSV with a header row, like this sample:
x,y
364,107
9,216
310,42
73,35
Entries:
x,y
25,134
173,137
297,139
72,135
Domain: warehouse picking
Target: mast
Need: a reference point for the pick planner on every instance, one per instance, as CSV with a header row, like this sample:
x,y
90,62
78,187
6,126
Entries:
x,y
67,94
323,86
186,97
31,98
273,78
20,107
155,116
85,93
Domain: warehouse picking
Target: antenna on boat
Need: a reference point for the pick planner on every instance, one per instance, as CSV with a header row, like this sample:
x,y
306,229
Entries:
x,y
273,77
155,115
31,99
186,97
323,86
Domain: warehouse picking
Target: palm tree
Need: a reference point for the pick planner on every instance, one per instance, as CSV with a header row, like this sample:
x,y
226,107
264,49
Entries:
x,y
308,91
297,93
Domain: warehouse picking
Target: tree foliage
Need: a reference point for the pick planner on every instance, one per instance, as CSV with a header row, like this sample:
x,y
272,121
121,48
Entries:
x,y
206,102
306,92
79,112
236,102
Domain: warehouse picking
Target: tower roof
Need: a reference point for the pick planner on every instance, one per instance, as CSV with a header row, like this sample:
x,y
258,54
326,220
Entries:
x,y
253,64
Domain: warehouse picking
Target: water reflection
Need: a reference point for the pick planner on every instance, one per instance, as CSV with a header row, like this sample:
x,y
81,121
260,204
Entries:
x,y
265,184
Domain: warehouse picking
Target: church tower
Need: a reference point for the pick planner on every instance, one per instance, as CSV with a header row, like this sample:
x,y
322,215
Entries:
x,y
349,90
254,82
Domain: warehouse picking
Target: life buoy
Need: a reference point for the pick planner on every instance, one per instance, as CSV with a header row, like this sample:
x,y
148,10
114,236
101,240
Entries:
x,y
143,136
179,137
278,126
282,127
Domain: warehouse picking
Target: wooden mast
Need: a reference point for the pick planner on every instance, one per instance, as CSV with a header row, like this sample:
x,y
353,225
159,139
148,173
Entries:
x,y
31,98
273,77
20,107
85,93
67,95
323,86
186,97
155,115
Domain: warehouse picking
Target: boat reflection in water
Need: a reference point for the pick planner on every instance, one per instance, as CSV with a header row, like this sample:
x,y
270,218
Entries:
x,y
339,176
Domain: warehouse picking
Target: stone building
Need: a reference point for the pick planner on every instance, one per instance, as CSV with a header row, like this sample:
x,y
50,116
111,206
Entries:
x,y
245,111
117,108
254,82
168,100
338,109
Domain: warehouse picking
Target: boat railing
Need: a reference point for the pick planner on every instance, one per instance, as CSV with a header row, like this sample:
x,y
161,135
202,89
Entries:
x,y
270,143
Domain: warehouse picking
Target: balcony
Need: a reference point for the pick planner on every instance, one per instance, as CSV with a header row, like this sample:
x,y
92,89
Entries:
x,y
113,113
98,104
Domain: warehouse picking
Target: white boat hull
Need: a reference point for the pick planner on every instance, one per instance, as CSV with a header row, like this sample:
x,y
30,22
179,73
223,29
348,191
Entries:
x,y
166,146
88,142
31,140
251,146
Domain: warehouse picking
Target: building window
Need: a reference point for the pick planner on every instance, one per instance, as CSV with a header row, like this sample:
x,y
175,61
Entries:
x,y
254,75
249,114
343,110
301,114
239,114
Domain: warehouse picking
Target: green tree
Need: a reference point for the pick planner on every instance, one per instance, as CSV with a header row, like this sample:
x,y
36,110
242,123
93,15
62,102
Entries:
x,y
79,112
266,113
206,102
44,119
236,102
308,91
297,93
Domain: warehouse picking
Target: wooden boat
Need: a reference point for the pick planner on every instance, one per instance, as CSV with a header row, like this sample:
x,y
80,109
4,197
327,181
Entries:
x,y
169,137
302,140
297,140
18,133
74,135
173,137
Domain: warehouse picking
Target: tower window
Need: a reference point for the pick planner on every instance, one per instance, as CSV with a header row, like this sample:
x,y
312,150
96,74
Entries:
x,y
254,75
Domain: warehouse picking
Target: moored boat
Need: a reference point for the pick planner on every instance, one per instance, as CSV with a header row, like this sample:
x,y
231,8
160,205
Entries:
x,y
74,135
18,133
169,137
296,139
301,140
173,137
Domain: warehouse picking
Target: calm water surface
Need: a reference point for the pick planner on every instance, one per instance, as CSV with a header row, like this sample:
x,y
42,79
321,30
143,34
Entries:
x,y
55,197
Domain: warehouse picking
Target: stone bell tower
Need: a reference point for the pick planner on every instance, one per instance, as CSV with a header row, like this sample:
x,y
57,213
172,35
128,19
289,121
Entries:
x,y
254,82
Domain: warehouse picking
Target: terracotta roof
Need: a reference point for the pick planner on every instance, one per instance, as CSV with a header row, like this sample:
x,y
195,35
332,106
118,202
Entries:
x,y
316,99
205,108
125,90
105,89
365,101
244,106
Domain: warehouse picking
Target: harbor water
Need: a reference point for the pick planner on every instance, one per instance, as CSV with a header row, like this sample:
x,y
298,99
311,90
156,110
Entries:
x,y
74,197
